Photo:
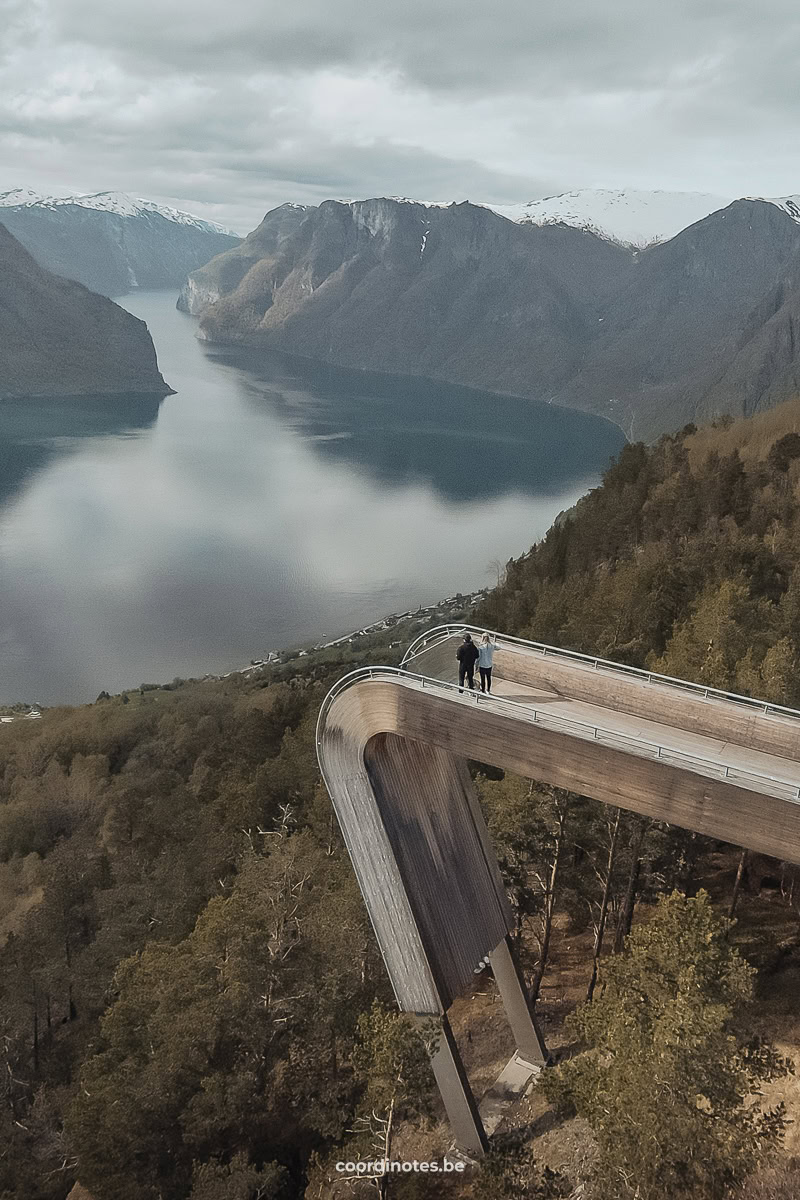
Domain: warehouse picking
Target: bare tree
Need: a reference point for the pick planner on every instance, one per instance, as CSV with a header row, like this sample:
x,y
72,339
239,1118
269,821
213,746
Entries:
x,y
549,885
600,926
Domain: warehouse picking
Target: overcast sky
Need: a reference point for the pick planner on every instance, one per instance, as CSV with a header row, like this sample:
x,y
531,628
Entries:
x,y
230,107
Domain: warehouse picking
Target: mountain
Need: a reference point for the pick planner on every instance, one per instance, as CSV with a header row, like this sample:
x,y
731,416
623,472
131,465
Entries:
x,y
706,324
59,339
703,324
456,293
631,218
788,204
111,242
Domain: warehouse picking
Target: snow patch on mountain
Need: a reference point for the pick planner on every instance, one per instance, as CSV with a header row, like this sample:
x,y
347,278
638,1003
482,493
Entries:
x,y
118,203
632,218
19,196
789,204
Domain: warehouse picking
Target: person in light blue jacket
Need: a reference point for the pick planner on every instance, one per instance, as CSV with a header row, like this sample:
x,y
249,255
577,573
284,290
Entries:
x,y
486,650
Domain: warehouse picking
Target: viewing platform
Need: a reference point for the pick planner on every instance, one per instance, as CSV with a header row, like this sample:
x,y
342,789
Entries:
x,y
715,733
393,746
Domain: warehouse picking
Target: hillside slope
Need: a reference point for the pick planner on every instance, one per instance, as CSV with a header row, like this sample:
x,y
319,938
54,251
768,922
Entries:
x,y
694,334
227,269
59,339
110,242
685,561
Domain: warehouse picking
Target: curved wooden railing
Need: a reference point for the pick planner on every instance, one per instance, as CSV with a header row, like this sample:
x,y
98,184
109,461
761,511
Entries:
x,y
784,788
442,633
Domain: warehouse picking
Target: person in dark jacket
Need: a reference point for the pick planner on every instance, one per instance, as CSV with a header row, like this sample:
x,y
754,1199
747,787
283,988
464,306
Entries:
x,y
467,655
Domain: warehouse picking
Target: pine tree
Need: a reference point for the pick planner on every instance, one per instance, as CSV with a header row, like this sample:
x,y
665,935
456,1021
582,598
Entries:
x,y
666,1082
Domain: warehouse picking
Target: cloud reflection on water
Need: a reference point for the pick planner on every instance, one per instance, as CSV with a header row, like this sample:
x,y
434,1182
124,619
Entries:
x,y
236,523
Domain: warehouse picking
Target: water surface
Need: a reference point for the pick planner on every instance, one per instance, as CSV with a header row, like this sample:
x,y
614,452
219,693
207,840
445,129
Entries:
x,y
268,503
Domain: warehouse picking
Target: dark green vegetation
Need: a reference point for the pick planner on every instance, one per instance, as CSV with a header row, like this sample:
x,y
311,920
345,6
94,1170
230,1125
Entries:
x,y
665,1079
59,339
686,561
702,325
168,858
188,984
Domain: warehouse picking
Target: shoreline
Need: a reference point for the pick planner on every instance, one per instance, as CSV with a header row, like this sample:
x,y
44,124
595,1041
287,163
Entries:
x,y
199,667
453,606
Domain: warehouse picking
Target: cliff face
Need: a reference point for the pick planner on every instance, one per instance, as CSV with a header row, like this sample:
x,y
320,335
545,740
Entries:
x,y
226,271
59,339
114,249
701,325
457,293
765,369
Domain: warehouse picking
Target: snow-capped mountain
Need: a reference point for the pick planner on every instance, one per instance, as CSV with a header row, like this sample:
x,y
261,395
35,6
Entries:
x,y
631,218
112,202
19,196
789,204
112,242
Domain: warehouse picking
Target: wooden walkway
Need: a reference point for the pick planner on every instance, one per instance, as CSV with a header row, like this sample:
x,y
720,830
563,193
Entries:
x,y
638,732
393,745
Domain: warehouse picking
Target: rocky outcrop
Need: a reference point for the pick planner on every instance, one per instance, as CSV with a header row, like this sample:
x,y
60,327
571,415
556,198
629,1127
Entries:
x,y
226,271
198,292
698,326
79,1192
59,339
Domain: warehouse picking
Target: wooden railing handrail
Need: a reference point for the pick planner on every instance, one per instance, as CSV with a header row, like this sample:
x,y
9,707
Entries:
x,y
441,633
643,746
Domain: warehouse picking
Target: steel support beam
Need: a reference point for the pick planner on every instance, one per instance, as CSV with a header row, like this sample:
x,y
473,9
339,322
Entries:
x,y
459,1102
513,993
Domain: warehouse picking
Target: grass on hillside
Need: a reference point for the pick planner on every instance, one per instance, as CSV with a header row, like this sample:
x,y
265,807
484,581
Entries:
x,y
752,437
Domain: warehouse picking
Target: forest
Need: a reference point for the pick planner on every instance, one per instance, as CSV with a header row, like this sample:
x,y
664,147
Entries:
x,y
192,1003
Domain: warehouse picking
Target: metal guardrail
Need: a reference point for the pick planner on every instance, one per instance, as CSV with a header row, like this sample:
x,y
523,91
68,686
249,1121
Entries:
x,y
441,633
583,729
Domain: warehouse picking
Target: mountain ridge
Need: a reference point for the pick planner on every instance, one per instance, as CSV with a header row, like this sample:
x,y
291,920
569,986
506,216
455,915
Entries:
x,y
112,242
401,287
120,203
692,306
631,217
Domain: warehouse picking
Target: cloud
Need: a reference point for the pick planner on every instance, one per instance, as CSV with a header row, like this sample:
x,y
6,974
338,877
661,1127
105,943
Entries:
x,y
232,108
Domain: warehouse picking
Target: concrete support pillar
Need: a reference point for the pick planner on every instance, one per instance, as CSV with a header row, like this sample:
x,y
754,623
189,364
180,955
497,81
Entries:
x,y
459,1102
513,993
